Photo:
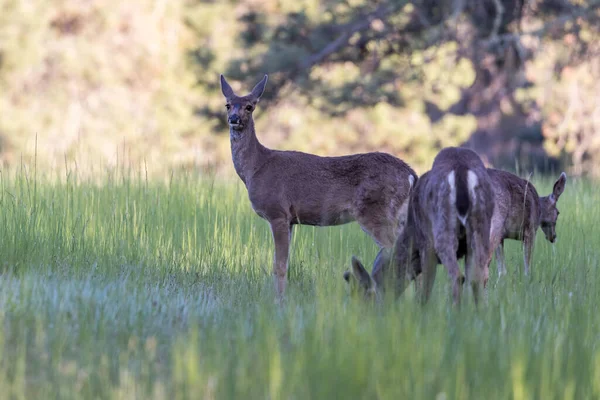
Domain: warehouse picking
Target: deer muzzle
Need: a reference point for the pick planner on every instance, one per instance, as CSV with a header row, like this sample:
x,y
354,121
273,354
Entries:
x,y
235,122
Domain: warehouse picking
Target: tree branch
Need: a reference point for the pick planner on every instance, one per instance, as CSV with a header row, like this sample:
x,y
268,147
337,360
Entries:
x,y
560,20
382,12
497,18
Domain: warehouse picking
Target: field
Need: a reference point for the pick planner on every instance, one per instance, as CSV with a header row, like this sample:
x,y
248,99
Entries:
x,y
128,288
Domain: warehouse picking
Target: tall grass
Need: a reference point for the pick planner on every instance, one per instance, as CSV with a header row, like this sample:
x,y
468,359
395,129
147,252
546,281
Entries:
x,y
129,288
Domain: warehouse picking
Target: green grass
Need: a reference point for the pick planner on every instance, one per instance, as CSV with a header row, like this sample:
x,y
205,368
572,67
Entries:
x,y
125,288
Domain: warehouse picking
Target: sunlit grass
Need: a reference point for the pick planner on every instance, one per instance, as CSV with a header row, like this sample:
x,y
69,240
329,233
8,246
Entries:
x,y
135,289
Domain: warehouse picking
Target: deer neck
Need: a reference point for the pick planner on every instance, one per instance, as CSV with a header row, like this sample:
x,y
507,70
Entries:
x,y
246,151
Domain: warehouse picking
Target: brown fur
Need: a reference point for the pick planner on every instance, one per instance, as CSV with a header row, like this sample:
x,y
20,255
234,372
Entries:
x,y
290,187
445,222
519,212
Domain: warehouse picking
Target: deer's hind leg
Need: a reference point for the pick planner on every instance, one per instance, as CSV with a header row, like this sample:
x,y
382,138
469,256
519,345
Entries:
x,y
478,258
381,230
500,259
446,246
382,221
429,263
497,244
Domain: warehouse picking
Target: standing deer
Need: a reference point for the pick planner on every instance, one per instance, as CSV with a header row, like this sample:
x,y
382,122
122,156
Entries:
x,y
449,216
520,212
288,187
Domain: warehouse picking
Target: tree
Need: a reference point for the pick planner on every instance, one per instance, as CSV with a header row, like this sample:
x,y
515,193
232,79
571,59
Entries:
x,y
340,56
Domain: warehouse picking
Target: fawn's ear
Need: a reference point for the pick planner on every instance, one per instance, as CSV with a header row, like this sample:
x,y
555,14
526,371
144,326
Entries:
x,y
559,187
362,276
259,88
225,88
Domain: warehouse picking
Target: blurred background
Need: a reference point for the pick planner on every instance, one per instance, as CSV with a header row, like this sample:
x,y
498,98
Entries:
x,y
103,82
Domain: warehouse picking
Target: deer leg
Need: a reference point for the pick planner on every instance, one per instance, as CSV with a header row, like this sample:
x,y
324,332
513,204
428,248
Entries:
x,y
497,243
473,275
478,258
500,259
445,244
476,269
428,269
445,247
528,242
379,215
377,224
448,258
469,267
282,234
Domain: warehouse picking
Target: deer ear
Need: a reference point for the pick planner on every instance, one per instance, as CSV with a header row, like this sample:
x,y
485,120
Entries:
x,y
225,88
559,187
361,274
259,88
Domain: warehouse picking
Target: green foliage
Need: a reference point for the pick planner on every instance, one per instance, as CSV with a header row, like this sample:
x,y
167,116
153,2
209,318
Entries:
x,y
133,288
102,82
573,115
94,76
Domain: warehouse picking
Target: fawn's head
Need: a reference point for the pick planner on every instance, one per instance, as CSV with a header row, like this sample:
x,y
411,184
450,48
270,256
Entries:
x,y
239,109
361,283
549,212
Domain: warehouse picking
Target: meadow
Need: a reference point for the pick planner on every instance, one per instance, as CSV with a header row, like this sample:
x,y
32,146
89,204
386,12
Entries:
x,y
125,287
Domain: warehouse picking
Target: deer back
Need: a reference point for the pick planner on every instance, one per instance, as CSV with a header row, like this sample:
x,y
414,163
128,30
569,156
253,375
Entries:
x,y
517,204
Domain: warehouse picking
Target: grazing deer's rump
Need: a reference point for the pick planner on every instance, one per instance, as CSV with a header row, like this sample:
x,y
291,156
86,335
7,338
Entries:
x,y
289,187
450,213
519,212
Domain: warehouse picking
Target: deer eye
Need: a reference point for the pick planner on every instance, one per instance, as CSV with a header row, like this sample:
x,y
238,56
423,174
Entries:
x,y
227,106
248,108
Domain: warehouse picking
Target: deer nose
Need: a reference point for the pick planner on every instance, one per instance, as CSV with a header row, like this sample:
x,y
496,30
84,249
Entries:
x,y
234,119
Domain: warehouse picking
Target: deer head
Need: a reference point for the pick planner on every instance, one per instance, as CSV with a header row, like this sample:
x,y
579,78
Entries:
x,y
361,283
239,109
549,212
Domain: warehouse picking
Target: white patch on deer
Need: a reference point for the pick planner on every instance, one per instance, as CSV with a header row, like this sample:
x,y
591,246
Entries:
x,y
452,183
411,180
402,217
472,182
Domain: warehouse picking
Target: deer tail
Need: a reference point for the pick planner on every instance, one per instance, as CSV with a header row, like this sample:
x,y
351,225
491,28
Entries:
x,y
462,184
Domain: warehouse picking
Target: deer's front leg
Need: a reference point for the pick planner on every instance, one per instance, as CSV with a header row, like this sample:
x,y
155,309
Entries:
x,y
282,234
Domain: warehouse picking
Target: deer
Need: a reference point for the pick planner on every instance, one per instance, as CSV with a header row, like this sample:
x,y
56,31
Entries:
x,y
519,212
449,217
288,188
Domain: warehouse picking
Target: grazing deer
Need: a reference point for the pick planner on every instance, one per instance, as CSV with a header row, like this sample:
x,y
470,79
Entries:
x,y
288,187
520,212
449,216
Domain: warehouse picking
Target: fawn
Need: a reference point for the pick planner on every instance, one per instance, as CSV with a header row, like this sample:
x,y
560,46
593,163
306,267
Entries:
x,y
289,187
520,212
449,216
